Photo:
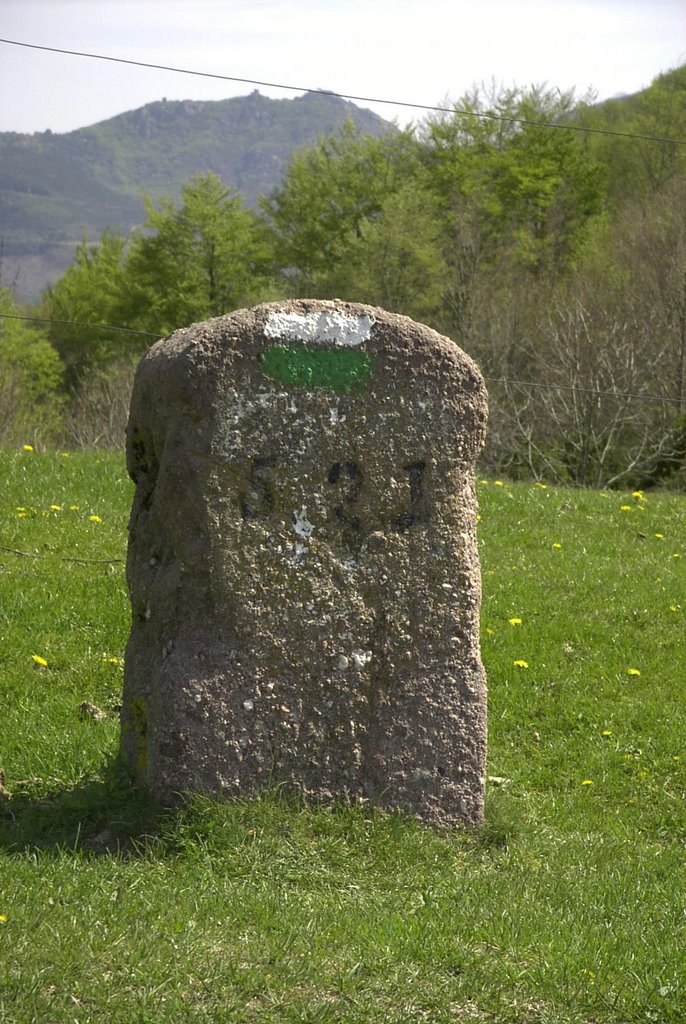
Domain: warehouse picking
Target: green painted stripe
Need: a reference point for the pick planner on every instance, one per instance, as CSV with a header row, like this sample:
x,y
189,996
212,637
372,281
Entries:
x,y
335,369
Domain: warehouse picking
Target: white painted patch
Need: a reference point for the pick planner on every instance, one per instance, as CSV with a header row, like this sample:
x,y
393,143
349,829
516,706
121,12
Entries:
x,y
302,526
341,329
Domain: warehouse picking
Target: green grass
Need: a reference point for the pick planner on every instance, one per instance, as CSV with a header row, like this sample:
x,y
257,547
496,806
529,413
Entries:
x,y
567,907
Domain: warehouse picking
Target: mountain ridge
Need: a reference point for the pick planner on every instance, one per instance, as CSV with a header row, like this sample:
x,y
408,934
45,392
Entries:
x,y
57,188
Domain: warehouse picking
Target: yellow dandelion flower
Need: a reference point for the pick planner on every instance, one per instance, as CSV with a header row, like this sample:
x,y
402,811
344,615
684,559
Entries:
x,y
55,508
638,495
499,483
483,481
38,660
587,782
66,455
676,555
520,663
660,536
625,508
27,447
515,622
542,487
95,519
3,918
73,508
558,546
491,632
674,607
607,732
633,672
676,757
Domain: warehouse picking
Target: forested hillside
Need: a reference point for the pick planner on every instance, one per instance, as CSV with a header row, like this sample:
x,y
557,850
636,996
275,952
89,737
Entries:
x,y
545,235
57,188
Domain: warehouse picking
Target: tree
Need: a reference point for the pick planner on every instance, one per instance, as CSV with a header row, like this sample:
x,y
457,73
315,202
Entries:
x,y
610,359
31,378
197,258
93,290
516,196
595,422
650,238
396,261
204,256
330,191
638,165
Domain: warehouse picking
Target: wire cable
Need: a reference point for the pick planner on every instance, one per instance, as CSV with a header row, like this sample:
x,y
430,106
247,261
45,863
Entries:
x,y
489,380
78,323
349,96
586,391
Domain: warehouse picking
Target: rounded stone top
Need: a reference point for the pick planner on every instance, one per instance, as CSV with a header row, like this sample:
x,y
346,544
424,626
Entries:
x,y
323,344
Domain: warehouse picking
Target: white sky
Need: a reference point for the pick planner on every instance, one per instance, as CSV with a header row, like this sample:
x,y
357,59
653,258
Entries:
x,y
420,51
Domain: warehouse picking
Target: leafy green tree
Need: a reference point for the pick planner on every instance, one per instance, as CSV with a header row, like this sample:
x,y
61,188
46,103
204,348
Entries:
x,y
396,260
198,258
31,378
511,188
638,168
94,290
331,189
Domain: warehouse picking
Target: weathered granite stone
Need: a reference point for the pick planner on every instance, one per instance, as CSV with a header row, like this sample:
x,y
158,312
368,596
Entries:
x,y
302,564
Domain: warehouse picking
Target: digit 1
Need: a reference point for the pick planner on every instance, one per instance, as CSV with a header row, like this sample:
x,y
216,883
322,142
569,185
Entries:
x,y
259,501
415,470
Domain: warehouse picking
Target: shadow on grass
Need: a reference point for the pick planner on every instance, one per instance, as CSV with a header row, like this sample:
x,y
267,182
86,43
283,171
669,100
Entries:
x,y
113,816
110,815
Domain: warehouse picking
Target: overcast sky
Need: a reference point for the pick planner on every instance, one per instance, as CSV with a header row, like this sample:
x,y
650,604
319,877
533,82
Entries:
x,y
420,51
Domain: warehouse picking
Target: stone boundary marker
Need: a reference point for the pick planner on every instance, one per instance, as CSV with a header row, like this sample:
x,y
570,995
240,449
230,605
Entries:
x,y
302,563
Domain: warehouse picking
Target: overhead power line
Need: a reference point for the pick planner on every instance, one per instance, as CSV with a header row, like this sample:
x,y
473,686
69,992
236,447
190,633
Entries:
x,y
78,323
485,115
490,380
584,391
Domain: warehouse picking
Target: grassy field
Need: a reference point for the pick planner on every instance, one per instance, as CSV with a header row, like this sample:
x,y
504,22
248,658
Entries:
x,y
567,907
